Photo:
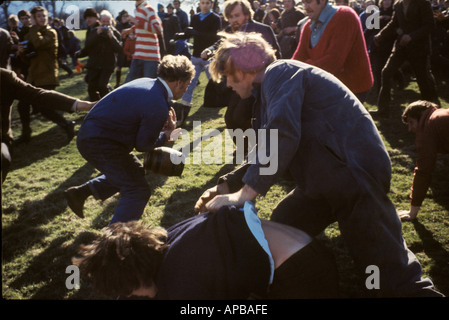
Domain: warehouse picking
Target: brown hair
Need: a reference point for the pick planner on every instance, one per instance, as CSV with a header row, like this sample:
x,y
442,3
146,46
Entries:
x,y
37,9
125,258
173,68
231,4
415,109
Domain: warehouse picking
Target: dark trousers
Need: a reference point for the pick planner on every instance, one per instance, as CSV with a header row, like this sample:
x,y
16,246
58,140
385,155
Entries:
x,y
310,273
97,83
121,172
421,67
51,114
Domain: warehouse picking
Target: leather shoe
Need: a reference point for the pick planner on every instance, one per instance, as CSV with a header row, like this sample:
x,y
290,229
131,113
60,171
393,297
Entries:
x,y
75,200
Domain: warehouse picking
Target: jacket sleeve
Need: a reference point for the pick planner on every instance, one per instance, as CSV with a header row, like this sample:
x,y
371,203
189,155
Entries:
x,y
282,98
43,38
24,91
425,165
149,131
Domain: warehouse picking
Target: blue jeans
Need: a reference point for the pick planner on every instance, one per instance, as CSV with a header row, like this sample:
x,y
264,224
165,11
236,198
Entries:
x,y
142,69
200,65
121,172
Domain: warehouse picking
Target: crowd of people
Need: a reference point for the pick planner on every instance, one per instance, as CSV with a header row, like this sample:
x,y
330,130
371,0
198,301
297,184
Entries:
x,y
274,64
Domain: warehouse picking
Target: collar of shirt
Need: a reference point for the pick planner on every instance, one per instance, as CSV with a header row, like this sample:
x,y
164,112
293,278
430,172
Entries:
x,y
325,16
319,25
170,94
204,15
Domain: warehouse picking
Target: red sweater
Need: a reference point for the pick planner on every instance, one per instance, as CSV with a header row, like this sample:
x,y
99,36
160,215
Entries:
x,y
341,50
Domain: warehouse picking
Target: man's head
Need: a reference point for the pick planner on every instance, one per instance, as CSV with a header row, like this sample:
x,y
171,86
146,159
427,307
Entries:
x,y
40,16
91,16
178,71
412,114
313,8
124,259
288,4
240,58
237,13
205,5
177,4
25,17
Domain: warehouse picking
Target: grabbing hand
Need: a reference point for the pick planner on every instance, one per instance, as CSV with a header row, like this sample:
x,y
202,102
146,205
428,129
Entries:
x,y
208,195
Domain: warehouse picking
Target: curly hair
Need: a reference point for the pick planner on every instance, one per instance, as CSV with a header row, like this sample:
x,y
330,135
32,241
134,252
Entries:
x,y
125,258
173,68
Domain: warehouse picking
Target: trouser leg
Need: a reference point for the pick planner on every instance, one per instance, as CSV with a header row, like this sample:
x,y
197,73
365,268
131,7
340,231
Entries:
x,y
121,172
394,62
424,78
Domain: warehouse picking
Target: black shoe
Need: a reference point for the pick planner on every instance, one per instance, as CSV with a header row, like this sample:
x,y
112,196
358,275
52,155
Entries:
x,y
75,200
70,130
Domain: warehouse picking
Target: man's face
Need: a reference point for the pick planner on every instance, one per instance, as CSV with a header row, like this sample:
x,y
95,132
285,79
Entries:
x,y
205,6
25,20
412,125
91,21
313,9
288,4
241,83
41,18
236,18
176,4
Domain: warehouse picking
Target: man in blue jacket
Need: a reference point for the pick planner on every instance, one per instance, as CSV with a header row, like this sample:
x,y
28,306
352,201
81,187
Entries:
x,y
328,143
135,116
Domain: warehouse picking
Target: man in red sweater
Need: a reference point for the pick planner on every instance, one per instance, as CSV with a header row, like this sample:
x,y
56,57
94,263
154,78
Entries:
x,y
431,126
333,40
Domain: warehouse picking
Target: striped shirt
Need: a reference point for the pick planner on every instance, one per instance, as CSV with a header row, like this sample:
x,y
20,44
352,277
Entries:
x,y
147,29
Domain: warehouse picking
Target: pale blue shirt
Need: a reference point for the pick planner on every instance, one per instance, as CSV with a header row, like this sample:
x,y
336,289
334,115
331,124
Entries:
x,y
254,224
318,26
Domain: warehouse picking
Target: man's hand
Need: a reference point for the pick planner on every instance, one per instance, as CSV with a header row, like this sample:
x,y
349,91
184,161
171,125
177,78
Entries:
x,y
208,195
170,126
237,199
408,215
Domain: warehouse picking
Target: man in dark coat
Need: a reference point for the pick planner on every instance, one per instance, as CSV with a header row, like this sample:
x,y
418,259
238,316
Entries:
x,y
412,24
319,133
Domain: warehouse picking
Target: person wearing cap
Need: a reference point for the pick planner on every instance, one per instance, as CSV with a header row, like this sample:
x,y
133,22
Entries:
x,y
333,40
431,126
329,145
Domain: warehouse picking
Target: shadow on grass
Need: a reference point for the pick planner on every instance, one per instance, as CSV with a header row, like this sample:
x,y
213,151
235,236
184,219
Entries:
x,y
49,267
25,230
40,147
434,250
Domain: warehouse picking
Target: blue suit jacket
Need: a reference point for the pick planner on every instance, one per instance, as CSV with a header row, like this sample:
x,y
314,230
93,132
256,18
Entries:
x,y
132,116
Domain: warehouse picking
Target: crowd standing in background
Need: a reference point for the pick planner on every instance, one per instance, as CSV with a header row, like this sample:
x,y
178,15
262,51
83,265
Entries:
x,y
411,41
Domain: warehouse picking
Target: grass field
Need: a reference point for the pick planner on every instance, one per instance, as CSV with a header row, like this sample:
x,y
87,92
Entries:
x,y
40,234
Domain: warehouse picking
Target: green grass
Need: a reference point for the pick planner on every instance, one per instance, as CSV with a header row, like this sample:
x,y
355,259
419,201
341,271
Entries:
x,y
40,234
